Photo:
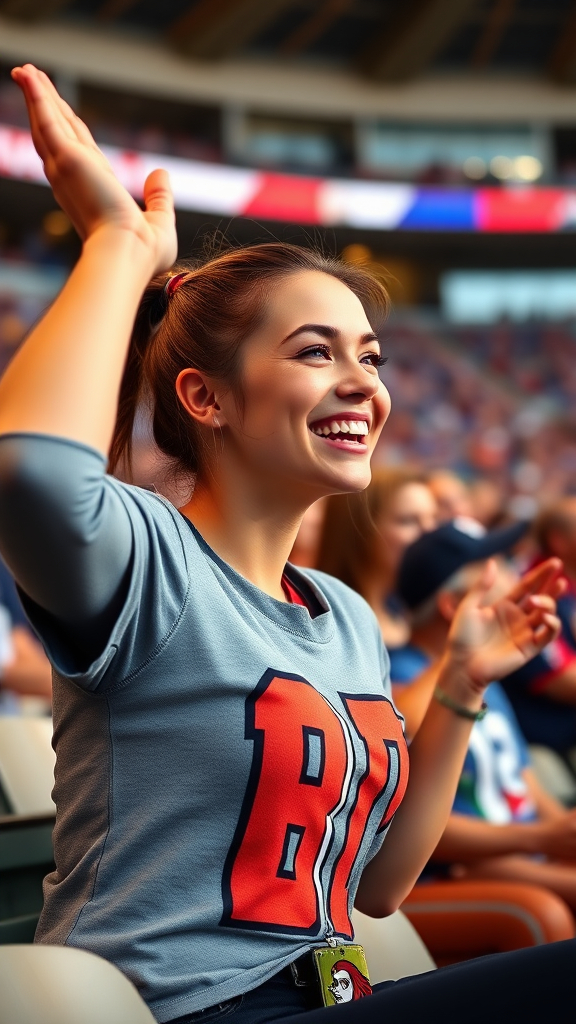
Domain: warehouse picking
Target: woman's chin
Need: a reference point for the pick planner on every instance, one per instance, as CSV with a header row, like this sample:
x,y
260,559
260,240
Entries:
x,y
355,479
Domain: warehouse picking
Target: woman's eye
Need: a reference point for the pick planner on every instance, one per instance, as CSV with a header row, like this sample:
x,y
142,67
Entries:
x,y
374,359
320,351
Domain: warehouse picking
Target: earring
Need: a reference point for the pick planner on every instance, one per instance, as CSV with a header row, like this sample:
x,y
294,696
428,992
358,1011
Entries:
x,y
216,424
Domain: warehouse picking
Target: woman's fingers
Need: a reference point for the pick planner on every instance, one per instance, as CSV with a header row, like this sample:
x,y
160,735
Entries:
x,y
24,81
547,631
543,579
159,204
78,128
534,618
50,130
158,193
543,601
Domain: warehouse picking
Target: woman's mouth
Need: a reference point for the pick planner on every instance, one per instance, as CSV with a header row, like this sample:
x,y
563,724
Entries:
x,y
346,434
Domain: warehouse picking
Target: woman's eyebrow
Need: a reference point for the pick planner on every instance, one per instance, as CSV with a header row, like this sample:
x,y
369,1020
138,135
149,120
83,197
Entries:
x,y
325,331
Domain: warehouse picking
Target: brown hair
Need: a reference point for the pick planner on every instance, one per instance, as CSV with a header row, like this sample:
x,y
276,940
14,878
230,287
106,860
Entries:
x,y
559,518
203,325
350,530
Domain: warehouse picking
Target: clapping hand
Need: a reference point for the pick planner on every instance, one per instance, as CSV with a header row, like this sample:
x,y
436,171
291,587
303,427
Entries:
x,y
83,181
488,641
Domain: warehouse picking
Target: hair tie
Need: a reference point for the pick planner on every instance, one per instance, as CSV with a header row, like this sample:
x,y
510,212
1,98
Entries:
x,y
161,300
173,283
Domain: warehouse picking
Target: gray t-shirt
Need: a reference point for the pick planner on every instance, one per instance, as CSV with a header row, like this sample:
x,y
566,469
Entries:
x,y
226,763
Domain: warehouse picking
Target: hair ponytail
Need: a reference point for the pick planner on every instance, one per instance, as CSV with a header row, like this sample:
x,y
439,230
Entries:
x,y
203,324
150,311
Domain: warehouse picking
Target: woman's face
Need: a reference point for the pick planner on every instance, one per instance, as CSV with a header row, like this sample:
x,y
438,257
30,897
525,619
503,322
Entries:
x,y
411,512
342,988
313,403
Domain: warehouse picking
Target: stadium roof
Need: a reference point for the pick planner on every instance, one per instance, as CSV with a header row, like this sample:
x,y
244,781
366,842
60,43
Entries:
x,y
382,40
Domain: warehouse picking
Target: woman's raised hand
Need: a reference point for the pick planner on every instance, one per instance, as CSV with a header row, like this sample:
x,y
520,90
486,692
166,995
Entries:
x,y
488,641
83,181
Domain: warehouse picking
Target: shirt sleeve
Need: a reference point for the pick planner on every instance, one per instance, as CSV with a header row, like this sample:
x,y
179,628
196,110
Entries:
x,y
90,555
63,533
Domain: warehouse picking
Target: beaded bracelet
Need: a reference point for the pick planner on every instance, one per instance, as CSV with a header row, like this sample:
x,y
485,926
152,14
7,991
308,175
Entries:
x,y
459,709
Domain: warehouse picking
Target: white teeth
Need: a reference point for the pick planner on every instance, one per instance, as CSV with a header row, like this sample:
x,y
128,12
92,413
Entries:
x,y
359,427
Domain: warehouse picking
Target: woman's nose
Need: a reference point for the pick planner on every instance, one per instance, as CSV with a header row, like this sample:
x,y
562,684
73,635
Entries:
x,y
355,381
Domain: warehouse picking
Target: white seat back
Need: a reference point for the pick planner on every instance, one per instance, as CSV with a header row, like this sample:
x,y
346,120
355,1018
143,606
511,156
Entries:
x,y
61,985
27,764
392,945
553,773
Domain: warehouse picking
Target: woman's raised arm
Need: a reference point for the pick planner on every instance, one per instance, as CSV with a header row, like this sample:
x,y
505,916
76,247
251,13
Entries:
x,y
486,642
65,378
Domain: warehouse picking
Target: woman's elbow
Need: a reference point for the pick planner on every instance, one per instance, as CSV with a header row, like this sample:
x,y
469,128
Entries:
x,y
375,905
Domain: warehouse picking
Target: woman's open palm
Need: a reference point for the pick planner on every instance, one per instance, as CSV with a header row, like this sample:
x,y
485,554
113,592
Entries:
x,y
488,641
83,181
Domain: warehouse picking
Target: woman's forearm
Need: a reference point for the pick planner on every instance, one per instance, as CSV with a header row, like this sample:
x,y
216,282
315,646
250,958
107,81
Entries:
x,y
65,379
468,839
413,699
436,758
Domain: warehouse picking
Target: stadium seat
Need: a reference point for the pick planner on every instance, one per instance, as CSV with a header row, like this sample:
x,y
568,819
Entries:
x,y
27,764
392,945
553,774
458,920
27,815
61,985
25,858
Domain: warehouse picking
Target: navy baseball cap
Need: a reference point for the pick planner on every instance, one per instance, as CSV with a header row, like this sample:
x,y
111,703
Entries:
x,y
437,555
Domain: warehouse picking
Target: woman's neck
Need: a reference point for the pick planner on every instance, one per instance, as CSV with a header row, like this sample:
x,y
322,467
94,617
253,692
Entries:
x,y
252,532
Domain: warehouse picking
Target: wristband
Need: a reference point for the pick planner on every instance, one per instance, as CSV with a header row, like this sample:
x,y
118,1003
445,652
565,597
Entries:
x,y
459,709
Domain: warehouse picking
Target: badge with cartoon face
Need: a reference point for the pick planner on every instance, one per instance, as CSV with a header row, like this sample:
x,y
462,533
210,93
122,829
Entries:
x,y
343,974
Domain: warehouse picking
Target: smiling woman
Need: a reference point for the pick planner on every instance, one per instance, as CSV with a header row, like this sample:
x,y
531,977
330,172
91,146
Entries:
x,y
231,772
219,319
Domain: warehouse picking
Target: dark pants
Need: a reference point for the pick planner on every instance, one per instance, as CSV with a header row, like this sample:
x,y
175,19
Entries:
x,y
529,986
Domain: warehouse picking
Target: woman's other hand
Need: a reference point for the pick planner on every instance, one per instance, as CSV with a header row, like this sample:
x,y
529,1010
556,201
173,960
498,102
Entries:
x,y
83,181
488,641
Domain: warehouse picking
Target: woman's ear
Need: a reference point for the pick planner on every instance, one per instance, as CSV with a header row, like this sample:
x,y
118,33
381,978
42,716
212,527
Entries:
x,y
196,392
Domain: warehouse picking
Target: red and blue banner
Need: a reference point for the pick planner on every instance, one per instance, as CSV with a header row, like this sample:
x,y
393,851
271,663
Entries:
x,y
327,202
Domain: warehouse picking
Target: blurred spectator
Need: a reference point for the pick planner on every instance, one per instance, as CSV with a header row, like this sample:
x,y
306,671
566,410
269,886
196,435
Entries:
x,y
365,534
451,493
503,824
488,503
24,667
543,693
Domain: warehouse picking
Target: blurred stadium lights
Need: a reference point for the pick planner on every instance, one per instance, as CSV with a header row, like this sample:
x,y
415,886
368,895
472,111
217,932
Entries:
x,y
485,297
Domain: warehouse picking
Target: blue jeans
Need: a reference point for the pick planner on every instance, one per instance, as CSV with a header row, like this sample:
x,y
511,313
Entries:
x,y
277,997
529,986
